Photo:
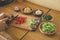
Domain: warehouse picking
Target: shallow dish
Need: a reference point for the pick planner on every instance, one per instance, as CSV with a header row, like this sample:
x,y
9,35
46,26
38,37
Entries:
x,y
40,29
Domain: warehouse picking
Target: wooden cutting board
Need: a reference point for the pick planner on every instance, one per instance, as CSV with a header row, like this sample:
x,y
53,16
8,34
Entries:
x,y
24,25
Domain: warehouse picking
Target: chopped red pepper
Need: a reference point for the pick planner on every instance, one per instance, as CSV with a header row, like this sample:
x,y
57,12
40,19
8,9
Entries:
x,y
21,20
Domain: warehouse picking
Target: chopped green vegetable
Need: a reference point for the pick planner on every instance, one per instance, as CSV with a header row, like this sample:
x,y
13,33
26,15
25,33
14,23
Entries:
x,y
31,23
47,17
48,27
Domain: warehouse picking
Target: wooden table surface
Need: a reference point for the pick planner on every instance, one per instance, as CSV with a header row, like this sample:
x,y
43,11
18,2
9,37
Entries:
x,y
4,35
20,34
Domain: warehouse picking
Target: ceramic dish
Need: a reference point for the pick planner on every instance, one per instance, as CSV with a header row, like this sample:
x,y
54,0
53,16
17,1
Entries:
x,y
27,10
52,29
47,17
38,13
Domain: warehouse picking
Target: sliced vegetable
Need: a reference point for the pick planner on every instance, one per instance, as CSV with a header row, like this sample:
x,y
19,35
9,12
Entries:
x,y
48,27
31,23
21,20
34,22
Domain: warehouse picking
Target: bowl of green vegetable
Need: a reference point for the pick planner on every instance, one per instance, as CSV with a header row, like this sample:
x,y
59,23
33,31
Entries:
x,y
47,28
47,17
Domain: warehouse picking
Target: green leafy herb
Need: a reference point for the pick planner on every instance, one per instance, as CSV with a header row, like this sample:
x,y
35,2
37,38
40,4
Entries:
x,y
47,17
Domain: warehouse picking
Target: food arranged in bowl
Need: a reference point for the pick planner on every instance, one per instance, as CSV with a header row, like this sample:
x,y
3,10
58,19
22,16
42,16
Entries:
x,y
47,28
27,10
47,17
38,13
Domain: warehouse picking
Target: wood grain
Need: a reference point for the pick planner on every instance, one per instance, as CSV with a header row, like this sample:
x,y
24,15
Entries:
x,y
16,32
7,36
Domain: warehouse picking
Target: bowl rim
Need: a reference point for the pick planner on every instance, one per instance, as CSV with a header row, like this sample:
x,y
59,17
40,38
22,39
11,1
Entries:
x,y
48,20
36,10
45,32
22,10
